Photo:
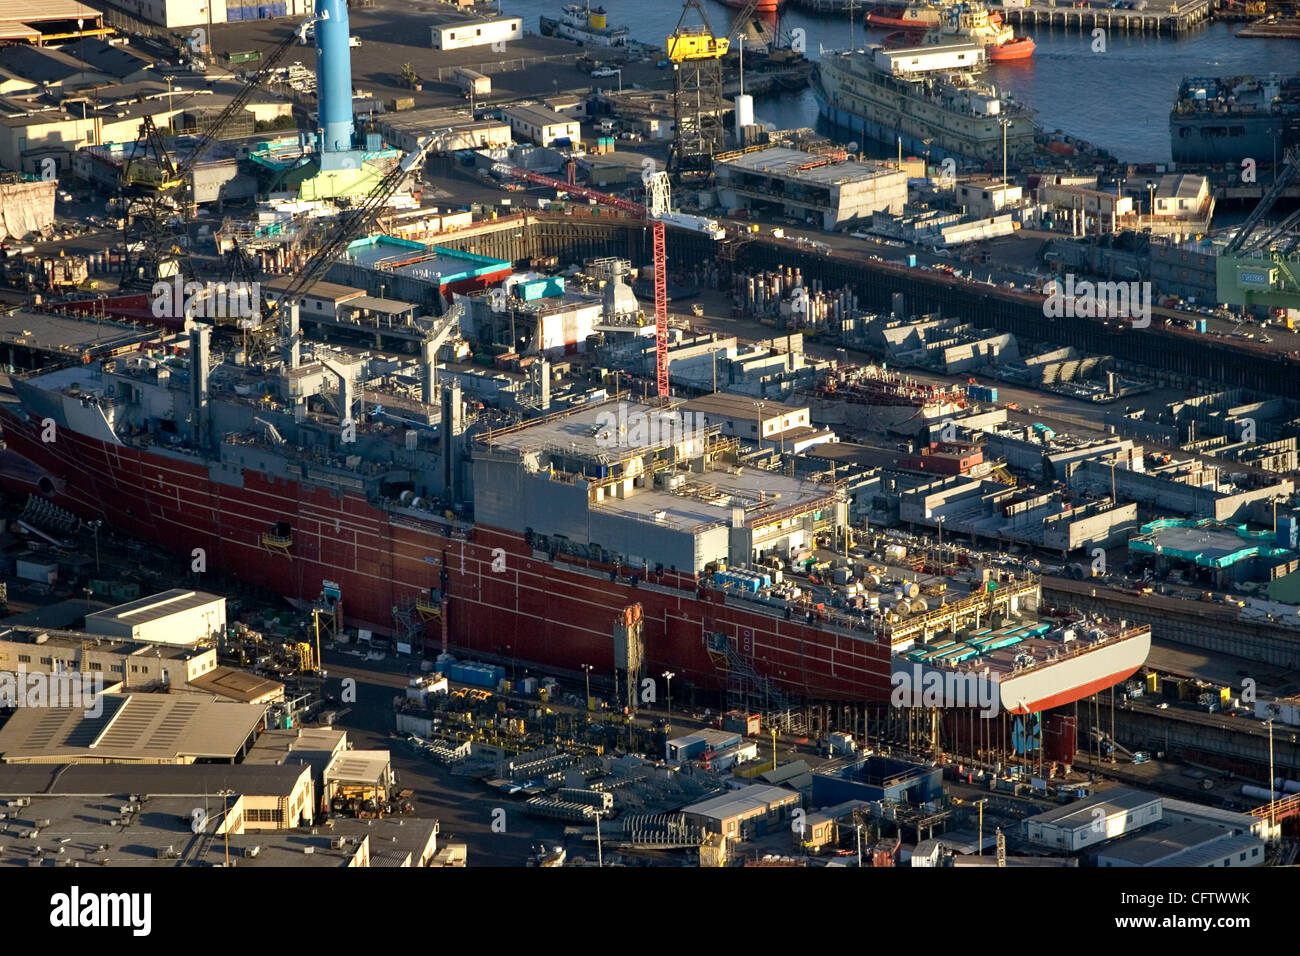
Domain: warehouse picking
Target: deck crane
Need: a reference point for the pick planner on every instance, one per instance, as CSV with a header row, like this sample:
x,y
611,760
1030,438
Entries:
x,y
1259,265
657,192
1246,238
157,191
352,223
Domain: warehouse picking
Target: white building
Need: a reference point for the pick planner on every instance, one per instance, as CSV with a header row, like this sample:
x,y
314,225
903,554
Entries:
x,y
768,423
984,199
1185,845
1182,196
1095,819
172,617
458,35
810,187
542,125
184,13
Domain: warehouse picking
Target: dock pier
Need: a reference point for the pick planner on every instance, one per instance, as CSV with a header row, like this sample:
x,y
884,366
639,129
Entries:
x,y
1173,19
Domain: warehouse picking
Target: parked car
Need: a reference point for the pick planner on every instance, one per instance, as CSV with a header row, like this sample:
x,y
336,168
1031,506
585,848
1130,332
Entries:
x,y
603,72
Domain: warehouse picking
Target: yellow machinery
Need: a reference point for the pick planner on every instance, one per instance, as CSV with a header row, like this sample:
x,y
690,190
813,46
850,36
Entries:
x,y
696,43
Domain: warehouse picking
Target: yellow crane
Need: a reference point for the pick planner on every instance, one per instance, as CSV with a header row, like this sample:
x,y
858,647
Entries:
x,y
695,42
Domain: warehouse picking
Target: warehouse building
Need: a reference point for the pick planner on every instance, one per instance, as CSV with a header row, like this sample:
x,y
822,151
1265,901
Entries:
x,y
810,187
1096,819
131,665
171,617
746,813
33,21
133,728
1184,844
452,129
542,125
875,778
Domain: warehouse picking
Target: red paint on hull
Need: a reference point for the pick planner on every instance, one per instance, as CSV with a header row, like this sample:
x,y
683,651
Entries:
x,y
763,6
556,612
1021,48
1075,693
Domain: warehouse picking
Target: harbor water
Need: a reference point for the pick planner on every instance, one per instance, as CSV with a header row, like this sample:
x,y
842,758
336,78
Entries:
x,y
1118,100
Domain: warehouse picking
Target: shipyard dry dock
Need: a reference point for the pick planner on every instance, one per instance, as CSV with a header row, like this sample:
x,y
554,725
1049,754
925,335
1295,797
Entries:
x,y
1178,357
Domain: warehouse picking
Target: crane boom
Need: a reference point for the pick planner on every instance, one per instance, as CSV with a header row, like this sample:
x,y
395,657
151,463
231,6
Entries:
x,y
658,245
268,64
1287,172
351,224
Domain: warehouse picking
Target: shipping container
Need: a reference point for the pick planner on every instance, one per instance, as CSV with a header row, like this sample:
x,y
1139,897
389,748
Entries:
x,y
472,82
40,571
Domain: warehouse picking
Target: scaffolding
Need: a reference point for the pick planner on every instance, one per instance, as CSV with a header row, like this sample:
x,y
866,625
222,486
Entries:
x,y
750,691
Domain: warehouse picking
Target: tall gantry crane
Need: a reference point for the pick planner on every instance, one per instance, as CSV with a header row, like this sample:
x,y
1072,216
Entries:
x,y
158,193
695,53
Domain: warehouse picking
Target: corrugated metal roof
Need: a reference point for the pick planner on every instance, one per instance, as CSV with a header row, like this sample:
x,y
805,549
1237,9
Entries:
x,y
750,801
1079,813
151,727
156,779
155,607
32,11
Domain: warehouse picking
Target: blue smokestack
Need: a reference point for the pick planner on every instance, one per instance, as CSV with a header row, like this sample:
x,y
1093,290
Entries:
x,y
334,75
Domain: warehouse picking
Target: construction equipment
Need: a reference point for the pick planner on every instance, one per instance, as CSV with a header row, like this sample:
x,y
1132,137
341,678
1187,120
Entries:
x,y
656,185
158,193
1260,266
695,53
352,223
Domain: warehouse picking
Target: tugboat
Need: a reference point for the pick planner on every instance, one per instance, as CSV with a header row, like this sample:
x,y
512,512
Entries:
x,y
914,18
581,23
972,22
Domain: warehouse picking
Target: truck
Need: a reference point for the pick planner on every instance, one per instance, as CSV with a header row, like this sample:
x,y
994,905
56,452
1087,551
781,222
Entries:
x,y
472,82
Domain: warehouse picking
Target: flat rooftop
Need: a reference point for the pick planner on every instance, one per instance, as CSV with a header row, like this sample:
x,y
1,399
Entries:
x,y
32,11
149,728
319,290
709,498
155,607
1184,844
234,684
102,780
372,303
538,115
1201,542
739,406
360,766
418,261
73,337
586,432
74,641
789,163
1080,812
748,801
298,745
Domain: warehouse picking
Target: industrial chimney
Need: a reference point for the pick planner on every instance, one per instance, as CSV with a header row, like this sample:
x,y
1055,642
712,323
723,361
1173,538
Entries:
x,y
200,347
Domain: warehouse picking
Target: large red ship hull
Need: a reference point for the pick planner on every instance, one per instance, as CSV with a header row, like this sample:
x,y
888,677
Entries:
x,y
557,612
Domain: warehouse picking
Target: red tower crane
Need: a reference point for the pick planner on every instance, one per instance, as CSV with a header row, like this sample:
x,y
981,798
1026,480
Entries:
x,y
660,255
